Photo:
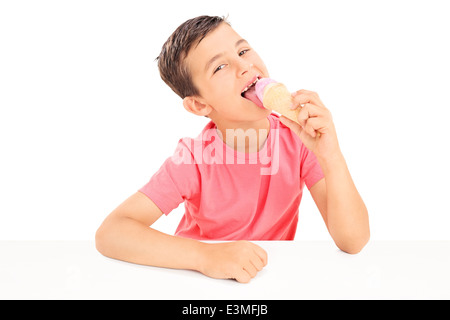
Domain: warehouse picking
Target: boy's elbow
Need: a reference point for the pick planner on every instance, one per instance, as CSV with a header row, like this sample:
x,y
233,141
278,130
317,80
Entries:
x,y
354,244
101,240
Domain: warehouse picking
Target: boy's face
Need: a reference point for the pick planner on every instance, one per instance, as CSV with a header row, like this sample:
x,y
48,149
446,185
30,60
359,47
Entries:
x,y
222,66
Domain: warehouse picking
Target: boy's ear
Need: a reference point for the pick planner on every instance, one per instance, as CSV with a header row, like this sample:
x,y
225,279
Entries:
x,y
196,106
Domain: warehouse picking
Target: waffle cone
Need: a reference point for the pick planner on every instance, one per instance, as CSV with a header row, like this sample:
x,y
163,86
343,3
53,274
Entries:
x,y
278,98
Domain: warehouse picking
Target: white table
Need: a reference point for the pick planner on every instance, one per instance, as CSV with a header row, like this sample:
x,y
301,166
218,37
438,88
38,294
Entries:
x,y
296,270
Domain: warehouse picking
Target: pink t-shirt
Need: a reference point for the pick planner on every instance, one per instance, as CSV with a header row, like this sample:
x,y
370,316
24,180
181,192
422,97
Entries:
x,y
230,195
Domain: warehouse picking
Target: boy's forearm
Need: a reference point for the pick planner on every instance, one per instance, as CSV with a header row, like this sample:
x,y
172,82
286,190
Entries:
x,y
347,217
132,241
129,240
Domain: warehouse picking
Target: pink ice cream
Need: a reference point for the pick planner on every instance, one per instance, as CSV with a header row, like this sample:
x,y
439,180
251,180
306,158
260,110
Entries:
x,y
260,86
255,93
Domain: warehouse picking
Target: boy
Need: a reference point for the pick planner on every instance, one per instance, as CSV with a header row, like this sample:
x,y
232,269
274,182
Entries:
x,y
242,178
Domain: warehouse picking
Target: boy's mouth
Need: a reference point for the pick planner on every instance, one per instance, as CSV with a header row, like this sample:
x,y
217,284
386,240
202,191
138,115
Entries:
x,y
249,92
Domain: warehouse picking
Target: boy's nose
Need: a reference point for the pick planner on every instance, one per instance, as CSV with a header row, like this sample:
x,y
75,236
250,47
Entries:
x,y
245,67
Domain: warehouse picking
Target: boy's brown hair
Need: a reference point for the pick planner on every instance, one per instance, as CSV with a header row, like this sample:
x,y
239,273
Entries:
x,y
174,72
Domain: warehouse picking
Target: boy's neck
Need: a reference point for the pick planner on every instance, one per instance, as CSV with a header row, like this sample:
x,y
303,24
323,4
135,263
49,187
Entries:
x,y
248,137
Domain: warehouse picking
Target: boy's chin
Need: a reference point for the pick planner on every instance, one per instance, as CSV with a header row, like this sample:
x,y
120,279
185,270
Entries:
x,y
255,111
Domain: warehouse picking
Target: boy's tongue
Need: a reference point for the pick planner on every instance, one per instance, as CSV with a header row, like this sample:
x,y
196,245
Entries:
x,y
251,95
256,92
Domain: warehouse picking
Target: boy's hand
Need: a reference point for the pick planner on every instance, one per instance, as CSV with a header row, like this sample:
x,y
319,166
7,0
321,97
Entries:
x,y
240,260
315,125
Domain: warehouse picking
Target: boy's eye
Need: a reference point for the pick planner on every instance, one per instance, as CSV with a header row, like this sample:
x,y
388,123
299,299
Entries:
x,y
243,52
219,68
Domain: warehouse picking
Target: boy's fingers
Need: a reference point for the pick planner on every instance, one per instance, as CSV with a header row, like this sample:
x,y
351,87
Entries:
x,y
258,263
312,125
310,110
294,126
305,96
262,254
251,269
242,276
305,92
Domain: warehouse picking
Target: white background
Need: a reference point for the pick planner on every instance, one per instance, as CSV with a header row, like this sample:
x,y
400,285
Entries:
x,y
85,119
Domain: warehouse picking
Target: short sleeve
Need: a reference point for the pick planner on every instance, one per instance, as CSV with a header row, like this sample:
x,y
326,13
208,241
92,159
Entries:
x,y
310,170
176,180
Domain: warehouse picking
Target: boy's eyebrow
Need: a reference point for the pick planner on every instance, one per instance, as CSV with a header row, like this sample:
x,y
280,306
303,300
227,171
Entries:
x,y
217,56
239,42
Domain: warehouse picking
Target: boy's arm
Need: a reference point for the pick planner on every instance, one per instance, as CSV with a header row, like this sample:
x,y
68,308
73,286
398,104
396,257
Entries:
x,y
125,235
336,196
341,207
